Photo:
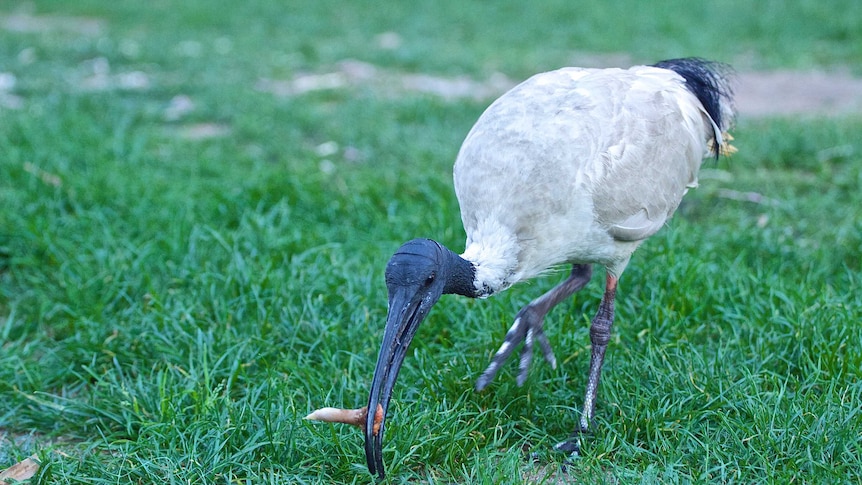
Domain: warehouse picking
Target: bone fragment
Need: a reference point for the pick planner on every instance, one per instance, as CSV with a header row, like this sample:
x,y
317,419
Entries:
x,y
356,417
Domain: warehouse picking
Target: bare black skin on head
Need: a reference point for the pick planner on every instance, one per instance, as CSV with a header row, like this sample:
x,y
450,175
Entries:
x,y
420,261
417,275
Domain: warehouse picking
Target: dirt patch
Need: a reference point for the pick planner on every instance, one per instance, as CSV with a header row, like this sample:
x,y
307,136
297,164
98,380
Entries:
x,y
758,94
789,93
25,22
356,74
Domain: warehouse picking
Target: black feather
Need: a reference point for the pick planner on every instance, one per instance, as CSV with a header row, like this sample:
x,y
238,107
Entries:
x,y
709,82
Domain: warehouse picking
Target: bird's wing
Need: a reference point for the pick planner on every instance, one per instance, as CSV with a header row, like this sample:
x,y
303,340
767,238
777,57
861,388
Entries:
x,y
570,160
655,141
636,227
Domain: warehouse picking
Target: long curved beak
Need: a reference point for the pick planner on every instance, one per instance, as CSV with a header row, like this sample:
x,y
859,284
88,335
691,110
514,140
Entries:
x,y
406,311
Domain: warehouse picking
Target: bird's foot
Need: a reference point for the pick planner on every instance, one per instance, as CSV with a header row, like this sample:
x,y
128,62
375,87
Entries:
x,y
545,460
572,446
528,328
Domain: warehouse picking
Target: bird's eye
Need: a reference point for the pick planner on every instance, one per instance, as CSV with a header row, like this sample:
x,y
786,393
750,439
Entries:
x,y
430,279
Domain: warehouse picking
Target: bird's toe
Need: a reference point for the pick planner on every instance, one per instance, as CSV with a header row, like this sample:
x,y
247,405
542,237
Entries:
x,y
571,446
545,345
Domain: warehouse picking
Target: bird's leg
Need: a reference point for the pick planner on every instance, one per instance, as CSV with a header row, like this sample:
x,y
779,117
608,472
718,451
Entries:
x,y
528,327
600,335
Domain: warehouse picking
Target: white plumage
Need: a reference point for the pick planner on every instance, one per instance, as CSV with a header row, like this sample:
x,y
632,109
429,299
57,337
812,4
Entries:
x,y
574,166
578,166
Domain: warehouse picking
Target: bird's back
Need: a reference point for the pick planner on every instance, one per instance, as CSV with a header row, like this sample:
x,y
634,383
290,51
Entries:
x,y
577,165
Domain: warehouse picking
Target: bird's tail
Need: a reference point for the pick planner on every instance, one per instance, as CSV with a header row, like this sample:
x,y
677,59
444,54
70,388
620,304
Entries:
x,y
710,82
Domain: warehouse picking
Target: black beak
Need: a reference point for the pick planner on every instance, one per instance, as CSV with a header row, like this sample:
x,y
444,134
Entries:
x,y
407,309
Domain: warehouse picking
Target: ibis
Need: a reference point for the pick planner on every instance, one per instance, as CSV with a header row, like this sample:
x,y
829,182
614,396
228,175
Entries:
x,y
571,167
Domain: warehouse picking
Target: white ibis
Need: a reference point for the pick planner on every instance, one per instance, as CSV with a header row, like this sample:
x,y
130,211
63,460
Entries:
x,y
574,166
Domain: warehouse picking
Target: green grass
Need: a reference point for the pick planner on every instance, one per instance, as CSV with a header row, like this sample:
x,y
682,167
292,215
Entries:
x,y
170,308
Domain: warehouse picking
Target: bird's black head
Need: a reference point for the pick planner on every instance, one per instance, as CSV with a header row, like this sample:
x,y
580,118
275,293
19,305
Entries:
x,y
418,264
417,275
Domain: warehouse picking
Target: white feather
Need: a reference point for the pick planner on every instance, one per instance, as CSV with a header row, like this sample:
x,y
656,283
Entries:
x,y
576,165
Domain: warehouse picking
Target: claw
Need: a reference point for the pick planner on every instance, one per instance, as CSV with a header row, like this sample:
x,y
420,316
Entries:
x,y
527,328
526,358
513,336
547,351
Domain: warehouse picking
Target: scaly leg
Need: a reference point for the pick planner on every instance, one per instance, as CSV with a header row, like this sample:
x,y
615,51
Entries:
x,y
600,335
528,327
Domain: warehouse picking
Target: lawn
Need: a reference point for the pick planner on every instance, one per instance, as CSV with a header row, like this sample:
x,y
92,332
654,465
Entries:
x,y
198,200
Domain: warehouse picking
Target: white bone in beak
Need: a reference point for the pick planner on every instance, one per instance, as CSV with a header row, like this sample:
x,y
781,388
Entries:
x,y
356,417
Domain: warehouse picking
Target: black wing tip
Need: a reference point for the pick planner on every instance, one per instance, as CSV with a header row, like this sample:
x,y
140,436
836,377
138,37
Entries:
x,y
710,82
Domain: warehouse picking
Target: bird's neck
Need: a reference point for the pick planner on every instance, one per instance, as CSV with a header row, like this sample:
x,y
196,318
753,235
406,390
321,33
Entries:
x,y
494,265
462,276
481,271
